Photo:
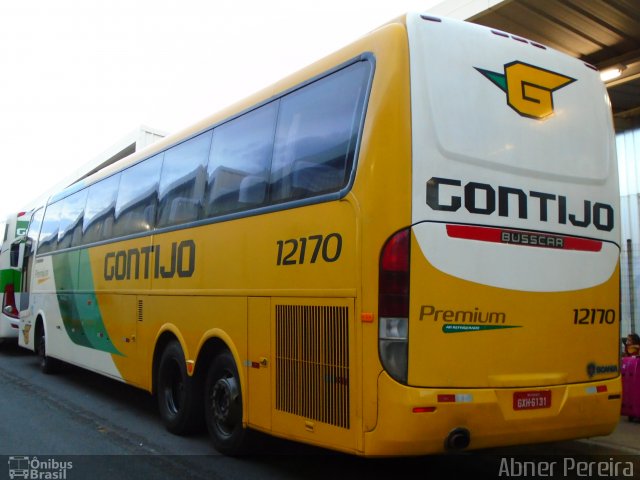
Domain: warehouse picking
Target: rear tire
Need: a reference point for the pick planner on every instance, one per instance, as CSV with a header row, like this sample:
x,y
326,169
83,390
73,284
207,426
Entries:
x,y
47,364
179,395
223,407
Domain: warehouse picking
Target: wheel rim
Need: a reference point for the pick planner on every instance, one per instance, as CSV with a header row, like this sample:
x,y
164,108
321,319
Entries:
x,y
223,402
174,389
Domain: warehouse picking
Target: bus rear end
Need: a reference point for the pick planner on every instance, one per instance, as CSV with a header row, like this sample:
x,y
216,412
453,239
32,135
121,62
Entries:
x,y
499,305
10,275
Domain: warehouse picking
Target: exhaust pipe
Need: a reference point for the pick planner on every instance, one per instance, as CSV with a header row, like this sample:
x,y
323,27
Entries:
x,y
458,439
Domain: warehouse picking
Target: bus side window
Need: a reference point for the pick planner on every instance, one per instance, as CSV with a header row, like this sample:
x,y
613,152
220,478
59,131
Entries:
x,y
317,132
70,227
138,197
32,244
14,255
183,180
238,169
34,230
99,213
49,234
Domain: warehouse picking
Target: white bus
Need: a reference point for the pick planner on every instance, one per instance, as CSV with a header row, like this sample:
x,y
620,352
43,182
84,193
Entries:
x,y
10,273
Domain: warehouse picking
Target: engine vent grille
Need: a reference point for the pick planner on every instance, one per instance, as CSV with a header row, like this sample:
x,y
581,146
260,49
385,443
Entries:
x,y
312,362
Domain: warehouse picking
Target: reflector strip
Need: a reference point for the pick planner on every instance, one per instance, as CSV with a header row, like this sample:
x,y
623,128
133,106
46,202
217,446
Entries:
x,y
523,238
366,317
423,409
458,398
446,398
596,389
464,398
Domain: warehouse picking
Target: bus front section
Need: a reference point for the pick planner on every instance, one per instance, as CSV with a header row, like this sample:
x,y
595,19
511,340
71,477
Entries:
x,y
499,305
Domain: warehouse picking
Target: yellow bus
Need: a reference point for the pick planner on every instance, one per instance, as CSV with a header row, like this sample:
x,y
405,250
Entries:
x,y
410,246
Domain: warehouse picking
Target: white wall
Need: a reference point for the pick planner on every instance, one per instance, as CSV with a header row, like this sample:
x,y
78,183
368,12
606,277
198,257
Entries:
x,y
628,146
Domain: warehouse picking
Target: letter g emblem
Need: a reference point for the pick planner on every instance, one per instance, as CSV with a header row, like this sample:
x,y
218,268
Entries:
x,y
529,89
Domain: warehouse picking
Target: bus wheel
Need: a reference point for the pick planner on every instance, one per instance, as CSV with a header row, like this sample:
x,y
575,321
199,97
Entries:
x,y
47,364
179,395
223,406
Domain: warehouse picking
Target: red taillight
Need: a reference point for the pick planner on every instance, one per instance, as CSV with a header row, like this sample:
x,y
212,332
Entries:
x,y
395,254
394,276
10,301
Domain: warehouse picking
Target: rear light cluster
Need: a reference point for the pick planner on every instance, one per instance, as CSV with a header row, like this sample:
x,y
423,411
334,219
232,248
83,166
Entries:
x,y
393,307
9,307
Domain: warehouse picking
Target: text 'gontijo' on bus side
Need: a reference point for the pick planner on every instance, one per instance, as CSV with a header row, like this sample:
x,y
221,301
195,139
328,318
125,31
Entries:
x,y
407,247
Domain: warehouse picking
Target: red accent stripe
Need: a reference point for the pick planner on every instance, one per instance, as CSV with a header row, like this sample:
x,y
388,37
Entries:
x,y
495,235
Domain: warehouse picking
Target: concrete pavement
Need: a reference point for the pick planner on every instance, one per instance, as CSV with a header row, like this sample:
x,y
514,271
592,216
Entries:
x,y
625,437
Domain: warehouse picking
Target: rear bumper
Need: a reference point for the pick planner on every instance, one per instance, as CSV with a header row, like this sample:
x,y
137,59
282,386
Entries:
x,y
576,411
8,326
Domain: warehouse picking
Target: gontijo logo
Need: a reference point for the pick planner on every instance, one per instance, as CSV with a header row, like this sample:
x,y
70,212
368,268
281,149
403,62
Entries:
x,y
529,89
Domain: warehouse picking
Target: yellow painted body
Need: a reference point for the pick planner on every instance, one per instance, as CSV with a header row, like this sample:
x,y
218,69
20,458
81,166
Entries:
x,y
237,282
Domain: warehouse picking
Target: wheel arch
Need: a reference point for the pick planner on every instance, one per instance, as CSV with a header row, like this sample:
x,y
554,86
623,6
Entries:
x,y
39,328
167,334
213,343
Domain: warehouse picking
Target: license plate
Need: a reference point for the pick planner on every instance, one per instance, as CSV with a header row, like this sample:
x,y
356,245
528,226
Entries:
x,y
532,400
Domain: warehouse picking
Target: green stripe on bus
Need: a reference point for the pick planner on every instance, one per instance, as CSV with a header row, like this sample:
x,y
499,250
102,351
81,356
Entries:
x,y
80,311
474,328
9,276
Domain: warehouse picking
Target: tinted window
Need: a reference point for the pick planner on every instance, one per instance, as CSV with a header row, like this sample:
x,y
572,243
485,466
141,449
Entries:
x,y
317,132
137,197
34,230
70,226
49,234
238,169
99,212
183,181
